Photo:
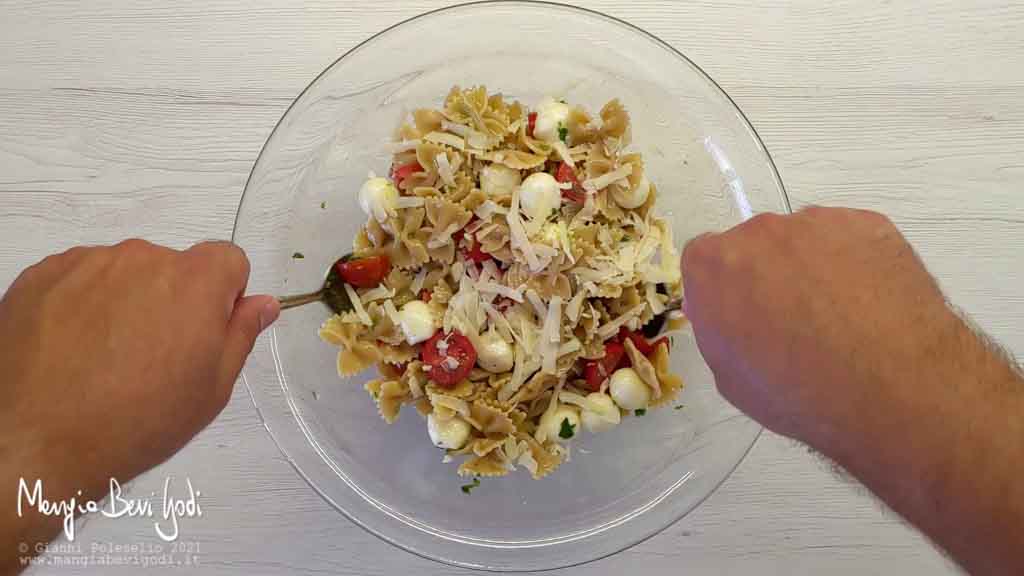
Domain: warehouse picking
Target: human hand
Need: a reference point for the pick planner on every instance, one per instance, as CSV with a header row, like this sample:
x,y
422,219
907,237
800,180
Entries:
x,y
810,321
826,327
115,357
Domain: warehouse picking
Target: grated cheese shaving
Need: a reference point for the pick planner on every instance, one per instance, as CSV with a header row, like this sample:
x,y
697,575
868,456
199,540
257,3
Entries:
x,y
563,237
499,322
409,202
379,293
643,368
446,139
563,153
551,335
654,299
455,128
519,238
488,209
518,375
357,305
492,288
553,322
538,305
526,460
492,269
444,169
545,251
569,347
392,312
417,281
444,237
609,328
602,181
486,231
541,434
576,400
572,309
457,269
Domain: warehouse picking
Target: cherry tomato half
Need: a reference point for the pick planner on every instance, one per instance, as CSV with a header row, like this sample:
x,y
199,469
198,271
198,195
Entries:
x,y
458,348
364,272
476,253
564,174
643,345
400,173
595,372
531,119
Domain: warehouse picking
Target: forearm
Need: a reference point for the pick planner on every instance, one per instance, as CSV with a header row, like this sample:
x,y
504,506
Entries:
x,y
41,517
944,447
21,535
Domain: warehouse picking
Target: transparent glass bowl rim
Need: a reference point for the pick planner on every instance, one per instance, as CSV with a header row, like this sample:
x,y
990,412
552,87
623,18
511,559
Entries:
x,y
784,200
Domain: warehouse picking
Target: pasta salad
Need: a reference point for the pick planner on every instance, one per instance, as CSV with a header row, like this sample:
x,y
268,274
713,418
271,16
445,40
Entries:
x,y
511,282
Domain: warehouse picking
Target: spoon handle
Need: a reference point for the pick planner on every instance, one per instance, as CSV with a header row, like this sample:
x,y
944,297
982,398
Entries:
x,y
674,304
300,299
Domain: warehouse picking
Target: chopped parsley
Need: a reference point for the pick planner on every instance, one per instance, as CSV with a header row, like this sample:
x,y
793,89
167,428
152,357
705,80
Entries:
x,y
298,255
679,407
640,411
567,430
323,205
563,132
467,488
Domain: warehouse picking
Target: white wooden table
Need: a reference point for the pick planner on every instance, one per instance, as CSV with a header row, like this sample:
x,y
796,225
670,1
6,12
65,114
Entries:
x,y
142,118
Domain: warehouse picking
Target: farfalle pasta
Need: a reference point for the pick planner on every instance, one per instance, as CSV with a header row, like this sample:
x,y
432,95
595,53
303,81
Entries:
x,y
512,283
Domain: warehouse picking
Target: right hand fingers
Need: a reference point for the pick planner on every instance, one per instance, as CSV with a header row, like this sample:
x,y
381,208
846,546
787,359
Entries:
x,y
226,264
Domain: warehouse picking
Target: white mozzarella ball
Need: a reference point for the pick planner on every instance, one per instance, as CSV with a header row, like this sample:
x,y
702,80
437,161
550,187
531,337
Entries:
x,y
634,198
450,434
552,420
498,181
601,413
378,197
628,390
493,353
539,195
551,115
417,321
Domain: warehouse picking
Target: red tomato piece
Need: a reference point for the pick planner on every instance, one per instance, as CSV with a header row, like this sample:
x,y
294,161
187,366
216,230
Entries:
x,y
457,351
595,372
503,303
458,234
642,345
364,272
477,254
425,295
564,174
400,173
659,342
531,119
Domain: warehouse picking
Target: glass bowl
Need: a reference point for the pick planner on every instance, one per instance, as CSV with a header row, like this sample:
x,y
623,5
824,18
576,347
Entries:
x,y
621,486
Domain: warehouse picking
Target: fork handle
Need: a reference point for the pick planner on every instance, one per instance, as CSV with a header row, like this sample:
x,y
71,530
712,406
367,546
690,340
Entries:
x,y
300,299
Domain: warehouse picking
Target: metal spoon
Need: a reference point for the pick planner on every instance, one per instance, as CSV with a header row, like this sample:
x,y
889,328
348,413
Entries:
x,y
332,293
